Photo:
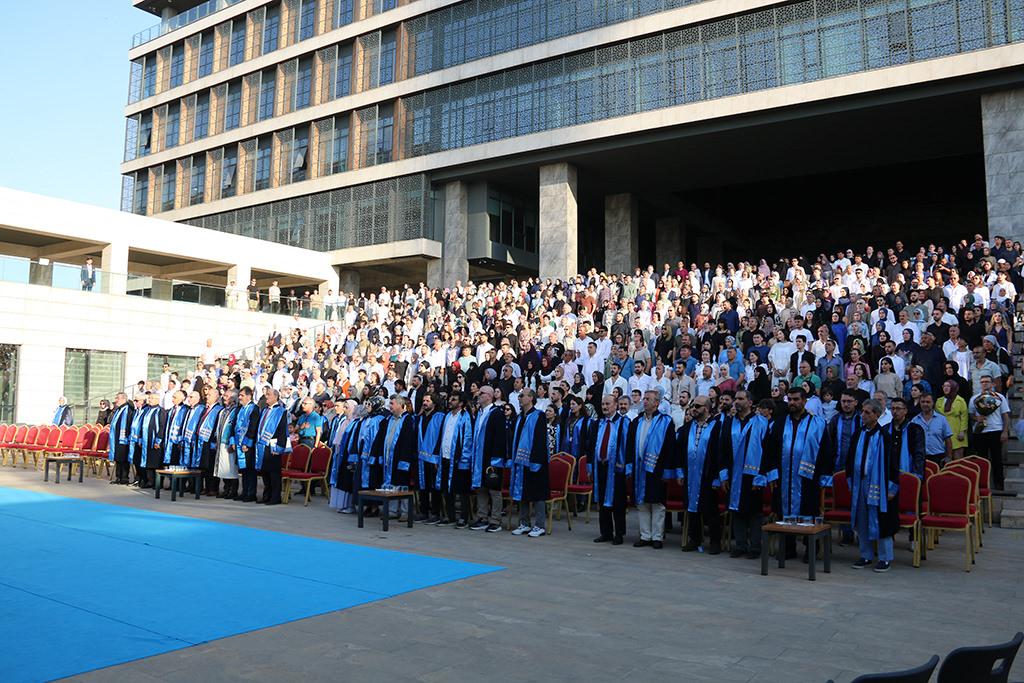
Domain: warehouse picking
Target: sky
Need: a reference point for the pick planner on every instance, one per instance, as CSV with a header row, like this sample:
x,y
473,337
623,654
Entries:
x,y
63,88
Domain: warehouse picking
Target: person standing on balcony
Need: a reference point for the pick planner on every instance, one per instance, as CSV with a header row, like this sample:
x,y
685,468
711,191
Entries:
x,y
254,295
274,296
88,276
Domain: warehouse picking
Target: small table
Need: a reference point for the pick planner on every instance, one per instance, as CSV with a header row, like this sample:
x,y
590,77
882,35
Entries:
x,y
177,475
824,531
59,460
384,497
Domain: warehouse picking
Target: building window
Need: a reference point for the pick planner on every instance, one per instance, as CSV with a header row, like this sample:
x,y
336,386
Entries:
x,y
170,182
385,132
342,12
179,364
202,128
343,80
304,84
237,53
172,126
197,183
205,54
267,87
141,193
261,179
300,153
307,19
149,77
89,376
387,57
135,81
228,173
146,135
8,382
177,65
233,111
271,28
339,155
511,224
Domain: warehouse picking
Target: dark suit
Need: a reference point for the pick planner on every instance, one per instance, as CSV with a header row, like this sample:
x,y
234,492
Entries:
x,y
88,278
64,416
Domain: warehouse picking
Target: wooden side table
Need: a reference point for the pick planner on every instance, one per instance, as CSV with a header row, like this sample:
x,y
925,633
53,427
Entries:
x,y
176,476
812,533
385,498
59,460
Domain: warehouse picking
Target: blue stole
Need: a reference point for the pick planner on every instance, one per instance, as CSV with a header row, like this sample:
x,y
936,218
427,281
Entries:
x,y
645,460
604,492
572,440
840,455
463,432
59,414
390,441
521,452
428,440
799,454
340,444
371,426
269,421
118,431
696,454
191,425
175,425
136,431
206,429
869,456
747,454
148,413
479,434
238,436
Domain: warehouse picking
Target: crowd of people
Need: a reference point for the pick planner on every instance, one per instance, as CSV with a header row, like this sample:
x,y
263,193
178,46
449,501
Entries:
x,y
728,380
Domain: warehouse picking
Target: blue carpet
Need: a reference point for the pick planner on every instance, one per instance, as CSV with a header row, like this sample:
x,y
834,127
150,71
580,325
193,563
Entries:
x,y
78,580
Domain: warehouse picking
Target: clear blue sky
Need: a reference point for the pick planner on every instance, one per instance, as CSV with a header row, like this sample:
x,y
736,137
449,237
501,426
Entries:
x,y
64,85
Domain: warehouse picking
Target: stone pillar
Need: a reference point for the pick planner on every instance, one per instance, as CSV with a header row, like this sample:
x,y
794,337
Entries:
x,y
435,274
1002,123
456,233
668,241
238,297
348,281
621,233
558,221
114,267
162,290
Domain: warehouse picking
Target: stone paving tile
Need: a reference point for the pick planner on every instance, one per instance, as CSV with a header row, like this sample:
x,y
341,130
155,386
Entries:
x,y
568,609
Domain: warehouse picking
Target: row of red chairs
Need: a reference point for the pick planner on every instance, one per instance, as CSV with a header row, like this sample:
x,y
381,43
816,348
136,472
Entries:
x,y
305,466
40,441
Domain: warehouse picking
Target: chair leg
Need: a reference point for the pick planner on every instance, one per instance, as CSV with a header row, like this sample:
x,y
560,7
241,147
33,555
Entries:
x,y
968,548
309,487
568,518
551,509
590,501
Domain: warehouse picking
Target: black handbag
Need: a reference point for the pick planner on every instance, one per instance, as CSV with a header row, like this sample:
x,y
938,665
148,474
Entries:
x,y
492,479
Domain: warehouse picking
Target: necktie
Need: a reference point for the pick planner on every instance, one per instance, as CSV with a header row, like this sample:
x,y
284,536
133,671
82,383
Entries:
x,y
604,441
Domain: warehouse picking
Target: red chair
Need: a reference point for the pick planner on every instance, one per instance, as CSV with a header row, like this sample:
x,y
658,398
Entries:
x,y
21,448
931,467
949,495
43,446
973,473
842,500
289,462
985,488
910,512
559,475
318,464
99,454
583,486
13,438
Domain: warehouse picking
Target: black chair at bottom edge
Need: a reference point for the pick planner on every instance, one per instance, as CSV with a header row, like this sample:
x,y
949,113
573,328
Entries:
x,y
919,674
983,664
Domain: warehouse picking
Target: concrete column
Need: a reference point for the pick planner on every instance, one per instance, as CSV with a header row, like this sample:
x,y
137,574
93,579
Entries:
x,y
621,233
668,241
162,290
1002,122
238,298
348,281
435,274
558,221
114,264
456,233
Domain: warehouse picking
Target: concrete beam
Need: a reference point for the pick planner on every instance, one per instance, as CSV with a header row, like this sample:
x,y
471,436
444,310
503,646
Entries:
x,y
621,233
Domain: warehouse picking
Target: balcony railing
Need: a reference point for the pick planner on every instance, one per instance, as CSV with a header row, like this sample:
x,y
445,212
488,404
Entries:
x,y
179,20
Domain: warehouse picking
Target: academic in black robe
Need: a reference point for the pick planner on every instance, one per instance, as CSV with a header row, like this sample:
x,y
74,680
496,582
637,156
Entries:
x,y
405,451
750,500
536,485
654,486
888,521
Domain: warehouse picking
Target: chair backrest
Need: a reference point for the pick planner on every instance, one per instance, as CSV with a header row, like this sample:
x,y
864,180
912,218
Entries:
x,y
985,664
30,436
319,460
673,491
300,458
53,438
949,493
68,437
919,674
86,438
102,441
42,435
559,473
582,472
19,436
10,432
910,493
842,499
971,473
984,466
930,468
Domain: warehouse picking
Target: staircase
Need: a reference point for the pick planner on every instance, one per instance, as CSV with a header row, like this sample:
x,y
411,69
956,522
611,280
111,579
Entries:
x,y
1012,514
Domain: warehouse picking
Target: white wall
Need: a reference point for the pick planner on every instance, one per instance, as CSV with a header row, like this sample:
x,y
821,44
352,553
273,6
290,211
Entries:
x,y
44,322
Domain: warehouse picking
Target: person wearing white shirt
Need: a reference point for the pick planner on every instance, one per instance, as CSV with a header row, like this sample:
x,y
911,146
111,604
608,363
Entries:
x,y
592,363
639,380
896,329
955,292
779,355
615,381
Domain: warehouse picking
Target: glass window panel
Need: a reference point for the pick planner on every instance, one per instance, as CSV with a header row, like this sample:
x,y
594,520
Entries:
x,y
237,51
177,65
197,182
149,77
205,54
233,109
267,89
172,125
202,126
271,28
307,19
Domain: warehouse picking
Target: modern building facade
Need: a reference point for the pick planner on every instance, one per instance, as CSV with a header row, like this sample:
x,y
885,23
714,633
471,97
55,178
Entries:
x,y
441,140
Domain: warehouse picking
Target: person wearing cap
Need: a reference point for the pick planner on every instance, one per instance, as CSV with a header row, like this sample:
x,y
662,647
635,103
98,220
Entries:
x,y
63,415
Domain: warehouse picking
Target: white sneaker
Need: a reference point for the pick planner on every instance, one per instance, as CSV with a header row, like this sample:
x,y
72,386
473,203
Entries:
x,y
520,530
537,532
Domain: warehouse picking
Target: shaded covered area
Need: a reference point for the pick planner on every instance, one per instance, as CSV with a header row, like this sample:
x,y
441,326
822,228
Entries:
x,y
899,165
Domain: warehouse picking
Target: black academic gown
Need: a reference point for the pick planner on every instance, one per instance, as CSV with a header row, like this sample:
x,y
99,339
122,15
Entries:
x,y
405,450
536,485
155,419
708,502
915,444
119,426
350,458
750,500
888,521
810,488
654,487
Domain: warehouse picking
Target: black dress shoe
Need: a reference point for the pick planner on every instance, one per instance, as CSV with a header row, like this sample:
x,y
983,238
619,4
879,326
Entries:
x,y
657,545
715,549
602,539
273,502
736,552
754,555
617,540
690,547
641,543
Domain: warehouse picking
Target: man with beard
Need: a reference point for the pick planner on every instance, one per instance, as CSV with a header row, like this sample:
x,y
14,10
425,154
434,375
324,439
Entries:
x,y
651,460
697,444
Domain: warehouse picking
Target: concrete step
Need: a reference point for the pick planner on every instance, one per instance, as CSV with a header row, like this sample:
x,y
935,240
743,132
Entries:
x,y
1016,503
1013,472
1014,484
1011,519
1014,457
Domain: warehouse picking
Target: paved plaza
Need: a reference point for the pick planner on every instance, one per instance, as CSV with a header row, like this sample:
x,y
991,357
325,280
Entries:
x,y
567,609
